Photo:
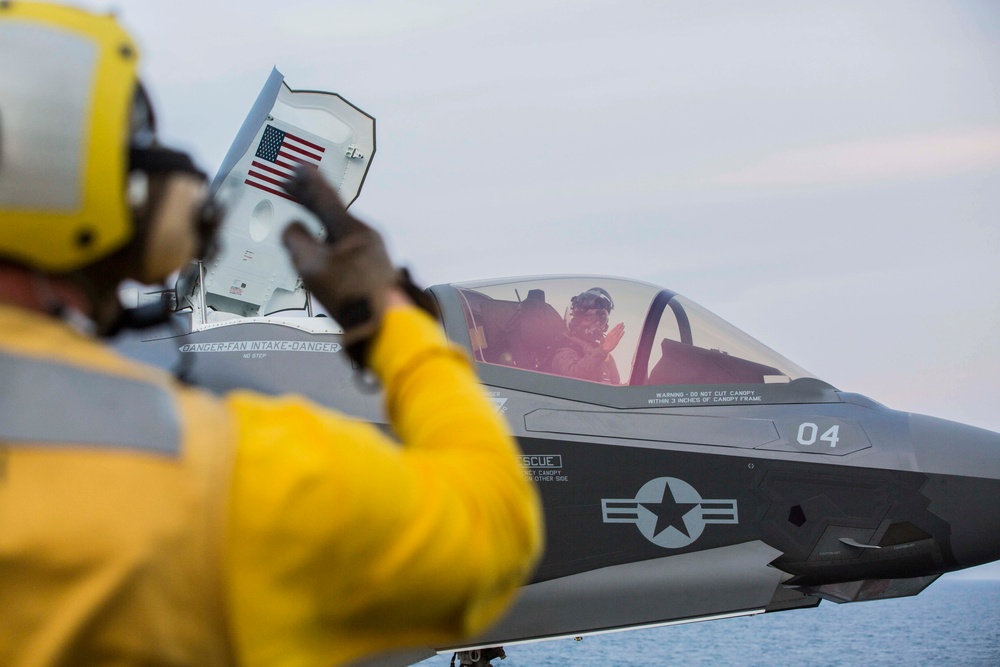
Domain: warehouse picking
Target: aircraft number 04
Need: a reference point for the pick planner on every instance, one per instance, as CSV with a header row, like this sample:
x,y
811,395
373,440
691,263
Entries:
x,y
808,433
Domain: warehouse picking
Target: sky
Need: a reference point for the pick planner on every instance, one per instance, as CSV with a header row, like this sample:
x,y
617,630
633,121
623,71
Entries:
x,y
825,175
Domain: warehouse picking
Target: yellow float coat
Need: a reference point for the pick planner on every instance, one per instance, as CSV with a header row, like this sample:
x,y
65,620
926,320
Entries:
x,y
147,523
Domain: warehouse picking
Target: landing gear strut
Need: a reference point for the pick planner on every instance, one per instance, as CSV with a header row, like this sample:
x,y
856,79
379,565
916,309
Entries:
x,y
478,658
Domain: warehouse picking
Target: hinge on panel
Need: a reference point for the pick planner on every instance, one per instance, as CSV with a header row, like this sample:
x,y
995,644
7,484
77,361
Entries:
x,y
353,153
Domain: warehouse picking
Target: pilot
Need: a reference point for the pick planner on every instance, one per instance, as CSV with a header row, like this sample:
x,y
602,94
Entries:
x,y
146,522
587,345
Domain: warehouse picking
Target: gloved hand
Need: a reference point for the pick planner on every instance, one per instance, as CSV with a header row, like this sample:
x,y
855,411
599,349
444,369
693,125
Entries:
x,y
350,273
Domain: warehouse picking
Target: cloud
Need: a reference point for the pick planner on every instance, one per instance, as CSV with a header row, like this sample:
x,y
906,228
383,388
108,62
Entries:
x,y
872,160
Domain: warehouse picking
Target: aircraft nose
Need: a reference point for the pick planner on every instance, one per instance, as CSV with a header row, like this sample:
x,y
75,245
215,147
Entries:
x,y
963,467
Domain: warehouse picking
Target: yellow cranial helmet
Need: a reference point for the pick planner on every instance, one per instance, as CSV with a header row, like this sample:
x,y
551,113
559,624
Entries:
x,y
76,131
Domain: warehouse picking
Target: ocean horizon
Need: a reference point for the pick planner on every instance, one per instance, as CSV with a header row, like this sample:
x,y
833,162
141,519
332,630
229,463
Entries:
x,y
952,622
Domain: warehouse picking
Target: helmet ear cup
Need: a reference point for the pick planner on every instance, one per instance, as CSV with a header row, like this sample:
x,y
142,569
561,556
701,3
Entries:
x,y
67,81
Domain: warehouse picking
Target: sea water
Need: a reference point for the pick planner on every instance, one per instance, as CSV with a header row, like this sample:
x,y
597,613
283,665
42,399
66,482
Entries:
x,y
953,622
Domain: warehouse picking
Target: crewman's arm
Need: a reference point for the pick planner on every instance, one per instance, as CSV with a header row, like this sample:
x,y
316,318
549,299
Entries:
x,y
584,366
341,543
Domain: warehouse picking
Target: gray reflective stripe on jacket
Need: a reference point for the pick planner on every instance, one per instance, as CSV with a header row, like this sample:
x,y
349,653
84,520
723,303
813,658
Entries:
x,y
43,403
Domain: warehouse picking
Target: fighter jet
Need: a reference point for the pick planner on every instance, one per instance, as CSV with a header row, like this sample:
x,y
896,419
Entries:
x,y
711,478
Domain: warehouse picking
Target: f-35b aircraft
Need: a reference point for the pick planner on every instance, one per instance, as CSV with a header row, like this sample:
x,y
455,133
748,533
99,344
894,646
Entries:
x,y
711,478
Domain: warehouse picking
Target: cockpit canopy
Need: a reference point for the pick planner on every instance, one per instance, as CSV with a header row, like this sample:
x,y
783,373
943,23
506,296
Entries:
x,y
527,324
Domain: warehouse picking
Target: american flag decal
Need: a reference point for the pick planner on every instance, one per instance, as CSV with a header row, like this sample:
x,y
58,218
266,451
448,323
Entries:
x,y
276,159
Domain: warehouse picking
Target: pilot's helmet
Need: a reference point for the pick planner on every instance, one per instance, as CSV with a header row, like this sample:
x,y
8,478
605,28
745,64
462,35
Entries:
x,y
81,173
589,312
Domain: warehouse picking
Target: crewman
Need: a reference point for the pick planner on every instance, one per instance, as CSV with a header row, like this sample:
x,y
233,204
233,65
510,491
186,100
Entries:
x,y
586,346
143,522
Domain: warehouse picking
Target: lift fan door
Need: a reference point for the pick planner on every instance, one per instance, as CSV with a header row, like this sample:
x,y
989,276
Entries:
x,y
252,274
